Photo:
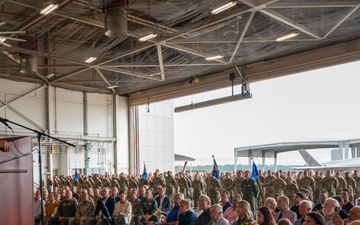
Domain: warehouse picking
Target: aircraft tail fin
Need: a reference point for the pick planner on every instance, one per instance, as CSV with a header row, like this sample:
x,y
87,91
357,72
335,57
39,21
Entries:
x,y
310,161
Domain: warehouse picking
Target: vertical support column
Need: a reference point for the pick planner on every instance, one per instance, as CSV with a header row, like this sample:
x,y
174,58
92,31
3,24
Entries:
x,y
275,160
346,149
49,156
263,160
87,145
134,158
250,158
115,135
341,149
235,160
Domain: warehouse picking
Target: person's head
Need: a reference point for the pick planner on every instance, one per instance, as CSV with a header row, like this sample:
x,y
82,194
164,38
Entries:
x,y
339,199
96,191
329,206
235,199
357,202
177,199
51,197
298,197
184,206
225,196
270,203
45,194
148,194
57,197
247,174
277,174
68,194
37,194
84,195
141,191
314,218
323,196
114,192
265,216
204,202
282,202
284,221
305,207
356,222
345,195
133,193
105,192
305,192
215,212
354,213
243,210
122,196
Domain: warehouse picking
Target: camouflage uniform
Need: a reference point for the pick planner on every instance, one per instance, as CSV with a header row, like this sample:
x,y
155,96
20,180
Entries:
x,y
198,190
157,181
342,184
214,190
357,187
183,186
84,210
330,184
227,184
238,185
269,191
318,187
170,185
124,184
351,186
114,183
309,184
277,186
133,184
289,190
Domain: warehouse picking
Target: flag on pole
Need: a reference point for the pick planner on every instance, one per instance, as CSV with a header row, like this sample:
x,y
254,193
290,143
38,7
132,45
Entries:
x,y
76,177
215,172
255,172
144,175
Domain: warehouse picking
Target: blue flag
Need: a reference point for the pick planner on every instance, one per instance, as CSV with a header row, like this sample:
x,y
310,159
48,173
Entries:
x,y
144,175
215,172
255,172
76,177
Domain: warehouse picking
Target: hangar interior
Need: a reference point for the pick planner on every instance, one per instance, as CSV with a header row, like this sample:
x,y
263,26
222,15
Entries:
x,y
49,83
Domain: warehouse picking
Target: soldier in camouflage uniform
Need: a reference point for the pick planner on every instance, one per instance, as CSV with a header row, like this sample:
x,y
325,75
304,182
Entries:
x,y
227,184
318,186
105,181
114,183
269,192
330,183
198,187
49,183
351,184
132,183
308,183
290,189
157,181
214,190
342,182
86,184
357,187
170,184
97,181
183,184
277,185
238,182
135,203
123,182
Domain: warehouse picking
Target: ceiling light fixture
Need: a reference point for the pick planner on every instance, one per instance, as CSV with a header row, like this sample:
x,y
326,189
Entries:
x,y
90,60
287,36
147,37
223,7
2,23
2,39
49,9
213,102
50,75
214,57
112,87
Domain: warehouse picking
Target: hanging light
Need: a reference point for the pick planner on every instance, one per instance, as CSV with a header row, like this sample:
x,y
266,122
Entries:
x,y
49,9
116,20
28,64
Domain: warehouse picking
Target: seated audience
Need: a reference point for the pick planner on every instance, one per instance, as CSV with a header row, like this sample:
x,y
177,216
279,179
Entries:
x,y
244,213
225,203
186,216
104,209
204,205
66,210
265,216
172,216
51,207
147,210
284,212
314,218
122,211
84,210
231,214
271,204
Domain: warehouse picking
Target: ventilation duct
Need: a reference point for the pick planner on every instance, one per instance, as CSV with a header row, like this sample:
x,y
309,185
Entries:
x,y
115,19
28,64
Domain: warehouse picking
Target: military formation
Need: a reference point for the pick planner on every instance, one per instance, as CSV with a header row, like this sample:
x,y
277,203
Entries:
x,y
271,184
192,186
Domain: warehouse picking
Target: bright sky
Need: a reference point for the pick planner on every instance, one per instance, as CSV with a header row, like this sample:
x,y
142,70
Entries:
x,y
319,105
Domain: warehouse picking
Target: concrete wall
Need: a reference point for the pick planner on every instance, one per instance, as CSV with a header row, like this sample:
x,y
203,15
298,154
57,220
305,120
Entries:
x,y
61,112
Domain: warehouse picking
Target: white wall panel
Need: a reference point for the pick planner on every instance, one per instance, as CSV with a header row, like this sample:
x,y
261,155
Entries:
x,y
100,115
